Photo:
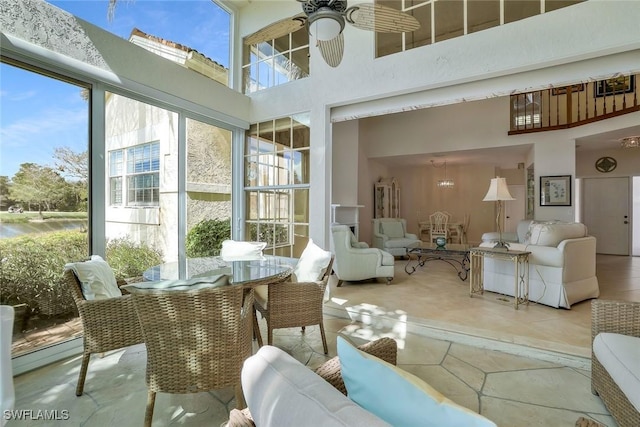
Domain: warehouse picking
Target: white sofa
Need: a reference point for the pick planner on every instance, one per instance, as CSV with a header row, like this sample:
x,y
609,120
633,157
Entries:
x,y
562,263
390,234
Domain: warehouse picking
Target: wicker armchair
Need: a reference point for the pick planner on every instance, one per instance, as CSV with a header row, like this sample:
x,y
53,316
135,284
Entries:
x,y
620,317
383,348
291,304
196,340
108,324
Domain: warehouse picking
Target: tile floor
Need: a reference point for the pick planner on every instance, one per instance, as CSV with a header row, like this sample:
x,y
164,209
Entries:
x,y
444,337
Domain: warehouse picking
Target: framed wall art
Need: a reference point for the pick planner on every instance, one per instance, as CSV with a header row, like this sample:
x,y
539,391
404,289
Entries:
x,y
615,86
555,190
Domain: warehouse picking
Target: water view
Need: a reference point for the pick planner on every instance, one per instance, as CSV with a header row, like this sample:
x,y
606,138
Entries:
x,y
15,229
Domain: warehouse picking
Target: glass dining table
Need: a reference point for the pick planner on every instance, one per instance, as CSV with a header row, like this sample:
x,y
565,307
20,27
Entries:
x,y
263,270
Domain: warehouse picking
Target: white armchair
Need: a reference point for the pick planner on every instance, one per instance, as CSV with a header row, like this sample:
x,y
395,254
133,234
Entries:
x,y
355,260
390,234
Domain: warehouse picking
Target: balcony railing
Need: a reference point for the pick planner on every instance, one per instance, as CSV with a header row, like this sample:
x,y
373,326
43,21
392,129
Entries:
x,y
575,105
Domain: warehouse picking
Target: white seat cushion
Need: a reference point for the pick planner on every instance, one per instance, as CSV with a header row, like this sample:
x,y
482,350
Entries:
x,y
620,356
233,250
280,391
96,278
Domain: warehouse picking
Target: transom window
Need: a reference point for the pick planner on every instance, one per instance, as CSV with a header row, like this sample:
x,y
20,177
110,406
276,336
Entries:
x,y
275,61
445,19
142,175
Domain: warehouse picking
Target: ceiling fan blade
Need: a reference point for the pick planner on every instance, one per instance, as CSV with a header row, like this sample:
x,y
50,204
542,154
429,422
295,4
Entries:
x,y
382,19
332,50
277,29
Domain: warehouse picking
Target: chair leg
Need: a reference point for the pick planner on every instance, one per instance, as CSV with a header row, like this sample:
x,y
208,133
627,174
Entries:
x,y
269,334
148,414
324,338
303,329
256,329
240,402
83,373
339,283
389,279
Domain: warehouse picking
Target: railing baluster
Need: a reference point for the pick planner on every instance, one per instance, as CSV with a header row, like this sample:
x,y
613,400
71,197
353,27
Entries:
x,y
527,106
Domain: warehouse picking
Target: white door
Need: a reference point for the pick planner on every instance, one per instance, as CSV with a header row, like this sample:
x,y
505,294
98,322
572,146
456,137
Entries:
x,y
605,207
514,209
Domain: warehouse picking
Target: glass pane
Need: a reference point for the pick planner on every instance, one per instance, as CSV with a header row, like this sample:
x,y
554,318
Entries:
x,y
482,14
265,170
252,205
265,74
281,45
301,207
208,188
422,36
301,167
266,133
282,133
251,168
282,169
282,69
301,133
514,10
299,67
144,228
43,203
449,19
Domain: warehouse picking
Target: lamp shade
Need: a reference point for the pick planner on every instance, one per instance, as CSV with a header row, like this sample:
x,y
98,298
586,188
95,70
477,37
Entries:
x,y
498,190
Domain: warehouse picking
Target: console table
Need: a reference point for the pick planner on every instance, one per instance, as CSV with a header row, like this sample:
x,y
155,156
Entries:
x,y
520,261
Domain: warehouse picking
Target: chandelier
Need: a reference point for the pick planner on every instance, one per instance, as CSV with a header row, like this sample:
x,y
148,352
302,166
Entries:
x,y
446,182
630,142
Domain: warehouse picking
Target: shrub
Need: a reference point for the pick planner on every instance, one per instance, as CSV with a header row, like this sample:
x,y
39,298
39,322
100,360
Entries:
x,y
205,239
129,259
32,265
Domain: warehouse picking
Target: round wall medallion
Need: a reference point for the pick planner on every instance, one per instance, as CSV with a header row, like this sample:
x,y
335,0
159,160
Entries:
x,y
606,164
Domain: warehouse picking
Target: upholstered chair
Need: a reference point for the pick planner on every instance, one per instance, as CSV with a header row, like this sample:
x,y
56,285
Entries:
x,y
390,235
354,262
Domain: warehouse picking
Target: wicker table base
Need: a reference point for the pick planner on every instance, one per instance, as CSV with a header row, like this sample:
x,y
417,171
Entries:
x,y
585,422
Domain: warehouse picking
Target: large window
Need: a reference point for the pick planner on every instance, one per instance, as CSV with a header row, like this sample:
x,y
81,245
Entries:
x,y
277,184
445,19
276,61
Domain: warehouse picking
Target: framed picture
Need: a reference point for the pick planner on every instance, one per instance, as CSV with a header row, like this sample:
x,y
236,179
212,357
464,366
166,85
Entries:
x,y
563,90
555,190
615,86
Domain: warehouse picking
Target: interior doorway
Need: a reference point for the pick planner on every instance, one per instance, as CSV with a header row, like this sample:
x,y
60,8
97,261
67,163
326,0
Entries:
x,y
606,212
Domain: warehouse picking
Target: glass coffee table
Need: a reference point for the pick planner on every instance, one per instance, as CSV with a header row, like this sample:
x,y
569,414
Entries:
x,y
456,255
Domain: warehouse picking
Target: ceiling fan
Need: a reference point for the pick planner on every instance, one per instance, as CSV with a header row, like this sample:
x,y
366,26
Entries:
x,y
325,20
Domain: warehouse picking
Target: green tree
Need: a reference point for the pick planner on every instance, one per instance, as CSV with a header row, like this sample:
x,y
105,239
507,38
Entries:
x,y
38,185
5,184
74,166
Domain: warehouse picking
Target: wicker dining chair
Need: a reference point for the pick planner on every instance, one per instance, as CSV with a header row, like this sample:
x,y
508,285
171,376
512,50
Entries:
x,y
196,340
292,304
108,324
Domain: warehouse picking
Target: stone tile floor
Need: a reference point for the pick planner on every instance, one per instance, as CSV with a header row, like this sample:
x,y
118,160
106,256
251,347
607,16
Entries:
x,y
510,390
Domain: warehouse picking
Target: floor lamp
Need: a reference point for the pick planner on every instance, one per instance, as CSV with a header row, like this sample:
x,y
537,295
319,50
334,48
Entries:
x,y
498,192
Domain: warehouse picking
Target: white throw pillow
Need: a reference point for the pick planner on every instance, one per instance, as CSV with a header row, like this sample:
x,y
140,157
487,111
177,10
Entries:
x,y
392,229
233,250
312,263
96,278
408,400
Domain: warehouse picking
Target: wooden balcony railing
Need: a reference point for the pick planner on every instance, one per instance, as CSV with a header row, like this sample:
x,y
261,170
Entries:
x,y
575,105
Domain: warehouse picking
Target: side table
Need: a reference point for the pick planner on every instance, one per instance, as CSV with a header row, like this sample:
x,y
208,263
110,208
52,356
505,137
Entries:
x,y
520,261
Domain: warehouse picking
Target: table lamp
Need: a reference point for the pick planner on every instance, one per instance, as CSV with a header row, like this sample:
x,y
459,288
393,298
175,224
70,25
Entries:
x,y
498,192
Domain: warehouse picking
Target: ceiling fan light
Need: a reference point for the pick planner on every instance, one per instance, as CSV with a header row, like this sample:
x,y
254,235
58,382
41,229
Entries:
x,y
325,24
